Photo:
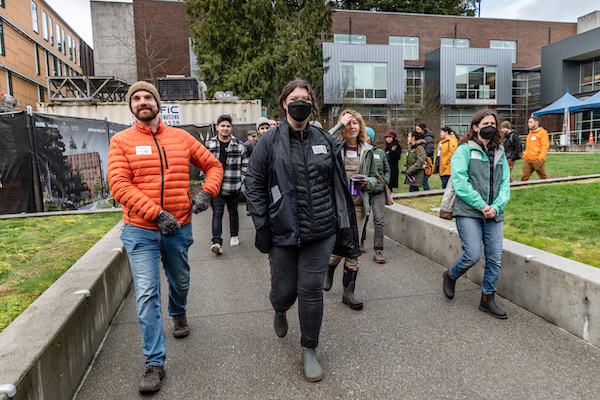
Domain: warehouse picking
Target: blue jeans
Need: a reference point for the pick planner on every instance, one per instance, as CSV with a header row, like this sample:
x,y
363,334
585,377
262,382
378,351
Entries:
x,y
145,249
445,179
473,232
426,183
413,188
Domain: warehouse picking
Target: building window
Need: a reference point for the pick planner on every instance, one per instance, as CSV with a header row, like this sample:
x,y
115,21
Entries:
x,y
414,86
47,63
476,82
45,25
2,3
449,42
505,44
51,30
345,38
74,51
79,52
64,43
37,59
70,44
2,53
411,46
41,94
34,17
364,80
9,82
58,41
590,75
55,64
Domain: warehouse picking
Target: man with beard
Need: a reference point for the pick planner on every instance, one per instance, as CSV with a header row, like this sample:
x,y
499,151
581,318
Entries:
x,y
148,173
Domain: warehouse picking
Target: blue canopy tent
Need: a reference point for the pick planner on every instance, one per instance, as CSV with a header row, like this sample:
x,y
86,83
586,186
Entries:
x,y
562,106
589,104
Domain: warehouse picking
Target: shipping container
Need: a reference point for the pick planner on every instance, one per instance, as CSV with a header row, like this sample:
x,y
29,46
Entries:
x,y
173,113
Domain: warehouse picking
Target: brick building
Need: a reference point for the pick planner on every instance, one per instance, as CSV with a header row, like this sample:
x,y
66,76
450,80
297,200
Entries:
x,y
472,62
90,166
35,42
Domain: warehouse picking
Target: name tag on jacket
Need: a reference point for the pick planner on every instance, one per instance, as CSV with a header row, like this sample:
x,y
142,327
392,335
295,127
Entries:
x,y
475,155
319,149
143,150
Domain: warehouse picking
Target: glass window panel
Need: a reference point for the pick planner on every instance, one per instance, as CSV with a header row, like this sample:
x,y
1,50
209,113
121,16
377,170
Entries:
x,y
368,93
380,78
380,94
50,25
363,75
462,42
445,42
2,52
586,72
597,69
58,41
44,25
34,17
359,93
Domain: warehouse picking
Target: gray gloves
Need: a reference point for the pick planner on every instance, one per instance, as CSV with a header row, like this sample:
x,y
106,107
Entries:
x,y
201,202
167,223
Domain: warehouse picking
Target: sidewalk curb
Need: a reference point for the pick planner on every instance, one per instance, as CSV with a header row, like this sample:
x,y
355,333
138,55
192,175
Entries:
x,y
46,350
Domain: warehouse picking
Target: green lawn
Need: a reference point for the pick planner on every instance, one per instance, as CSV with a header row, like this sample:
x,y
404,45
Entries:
x,y
35,252
557,166
561,218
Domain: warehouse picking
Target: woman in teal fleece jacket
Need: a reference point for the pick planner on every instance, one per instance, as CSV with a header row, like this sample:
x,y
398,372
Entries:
x,y
481,179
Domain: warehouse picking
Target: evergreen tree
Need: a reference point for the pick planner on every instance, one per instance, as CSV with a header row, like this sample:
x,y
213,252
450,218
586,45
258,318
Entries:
x,y
442,7
254,47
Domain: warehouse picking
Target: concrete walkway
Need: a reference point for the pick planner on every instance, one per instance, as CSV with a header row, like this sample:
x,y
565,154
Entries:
x,y
407,343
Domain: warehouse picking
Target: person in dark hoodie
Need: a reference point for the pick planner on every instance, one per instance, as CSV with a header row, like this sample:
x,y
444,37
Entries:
x,y
393,151
302,211
512,145
415,157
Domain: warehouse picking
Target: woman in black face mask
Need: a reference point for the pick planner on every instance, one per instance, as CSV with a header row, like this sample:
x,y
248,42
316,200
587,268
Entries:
x,y
302,211
481,178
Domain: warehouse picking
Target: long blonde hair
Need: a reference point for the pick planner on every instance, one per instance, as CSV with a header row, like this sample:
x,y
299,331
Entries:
x,y
362,135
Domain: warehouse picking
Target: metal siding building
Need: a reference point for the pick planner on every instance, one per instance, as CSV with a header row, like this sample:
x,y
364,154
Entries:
x,y
336,53
561,64
440,66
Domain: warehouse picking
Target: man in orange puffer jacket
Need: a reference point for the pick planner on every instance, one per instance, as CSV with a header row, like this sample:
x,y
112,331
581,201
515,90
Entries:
x,y
148,173
536,147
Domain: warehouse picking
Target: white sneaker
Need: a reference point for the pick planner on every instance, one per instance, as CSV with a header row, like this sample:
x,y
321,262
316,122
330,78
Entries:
x,y
216,248
235,241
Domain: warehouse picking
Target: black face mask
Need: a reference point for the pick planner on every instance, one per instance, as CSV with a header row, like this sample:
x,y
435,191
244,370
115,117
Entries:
x,y
487,132
299,110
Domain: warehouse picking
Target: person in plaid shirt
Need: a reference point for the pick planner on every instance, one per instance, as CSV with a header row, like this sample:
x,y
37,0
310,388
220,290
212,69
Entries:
x,y
232,153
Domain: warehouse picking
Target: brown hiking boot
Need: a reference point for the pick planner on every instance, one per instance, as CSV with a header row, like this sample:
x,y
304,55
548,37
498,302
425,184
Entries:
x,y
152,379
378,257
180,326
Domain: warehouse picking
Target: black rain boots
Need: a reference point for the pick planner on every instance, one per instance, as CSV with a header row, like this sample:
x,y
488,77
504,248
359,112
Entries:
x,y
449,284
328,282
349,284
488,305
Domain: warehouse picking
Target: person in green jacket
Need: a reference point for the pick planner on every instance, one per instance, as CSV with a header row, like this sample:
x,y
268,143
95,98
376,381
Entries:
x,y
481,178
377,200
358,159
415,158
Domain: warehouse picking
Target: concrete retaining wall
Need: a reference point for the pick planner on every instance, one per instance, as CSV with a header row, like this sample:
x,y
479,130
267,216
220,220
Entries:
x,y
45,351
562,291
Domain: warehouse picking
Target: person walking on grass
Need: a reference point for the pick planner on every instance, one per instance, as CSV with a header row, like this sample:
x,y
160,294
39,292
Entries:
x,y
148,173
446,148
512,145
393,151
536,147
233,155
481,179
302,211
415,157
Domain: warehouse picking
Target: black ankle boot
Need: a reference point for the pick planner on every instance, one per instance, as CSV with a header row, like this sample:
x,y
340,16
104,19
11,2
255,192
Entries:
x,y
349,284
449,285
328,282
488,305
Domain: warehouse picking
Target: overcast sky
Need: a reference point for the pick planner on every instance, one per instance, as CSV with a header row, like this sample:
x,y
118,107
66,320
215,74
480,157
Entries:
x,y
77,12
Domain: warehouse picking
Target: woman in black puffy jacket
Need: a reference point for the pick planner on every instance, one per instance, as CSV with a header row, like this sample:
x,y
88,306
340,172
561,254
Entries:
x,y
295,179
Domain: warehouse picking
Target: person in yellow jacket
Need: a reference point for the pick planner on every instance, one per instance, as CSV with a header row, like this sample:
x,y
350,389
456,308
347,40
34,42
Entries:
x,y
536,147
445,149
